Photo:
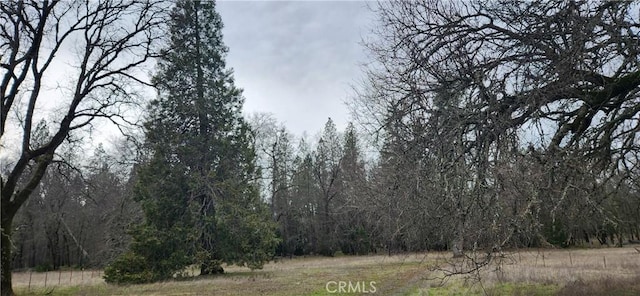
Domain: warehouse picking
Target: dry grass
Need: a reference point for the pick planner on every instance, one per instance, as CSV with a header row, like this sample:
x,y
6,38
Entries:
x,y
57,278
605,271
299,276
530,272
566,266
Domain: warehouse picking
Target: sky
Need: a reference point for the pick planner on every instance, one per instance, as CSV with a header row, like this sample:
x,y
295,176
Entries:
x,y
297,60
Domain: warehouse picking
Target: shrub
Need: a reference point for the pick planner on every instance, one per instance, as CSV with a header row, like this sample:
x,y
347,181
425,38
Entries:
x,y
128,268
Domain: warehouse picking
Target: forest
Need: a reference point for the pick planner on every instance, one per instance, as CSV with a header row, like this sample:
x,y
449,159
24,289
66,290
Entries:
x,y
480,127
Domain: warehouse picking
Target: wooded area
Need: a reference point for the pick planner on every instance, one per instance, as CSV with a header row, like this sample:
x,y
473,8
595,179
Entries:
x,y
479,127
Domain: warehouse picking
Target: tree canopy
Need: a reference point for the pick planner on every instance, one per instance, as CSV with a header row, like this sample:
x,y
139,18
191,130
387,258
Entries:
x,y
468,88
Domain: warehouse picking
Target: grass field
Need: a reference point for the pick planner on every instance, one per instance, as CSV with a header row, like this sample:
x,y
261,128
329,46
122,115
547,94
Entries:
x,y
606,271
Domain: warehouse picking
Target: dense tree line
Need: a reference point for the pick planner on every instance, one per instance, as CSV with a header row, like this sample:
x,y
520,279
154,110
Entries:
x,y
316,191
78,217
391,203
493,125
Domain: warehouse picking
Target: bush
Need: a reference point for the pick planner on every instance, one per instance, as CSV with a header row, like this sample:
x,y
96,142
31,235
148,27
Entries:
x,y
556,235
154,256
128,268
356,242
44,267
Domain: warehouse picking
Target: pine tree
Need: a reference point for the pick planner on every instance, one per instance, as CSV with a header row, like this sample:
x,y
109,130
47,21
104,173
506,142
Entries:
x,y
327,173
352,226
304,201
199,188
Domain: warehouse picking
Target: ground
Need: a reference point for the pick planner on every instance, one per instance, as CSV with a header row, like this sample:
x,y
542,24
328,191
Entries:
x,y
604,271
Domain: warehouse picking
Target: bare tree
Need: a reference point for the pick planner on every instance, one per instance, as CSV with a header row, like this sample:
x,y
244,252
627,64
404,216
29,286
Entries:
x,y
109,42
275,156
571,66
472,83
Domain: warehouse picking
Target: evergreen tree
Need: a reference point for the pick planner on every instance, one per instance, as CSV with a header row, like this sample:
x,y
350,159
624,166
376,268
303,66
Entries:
x,y
327,173
352,225
199,188
304,201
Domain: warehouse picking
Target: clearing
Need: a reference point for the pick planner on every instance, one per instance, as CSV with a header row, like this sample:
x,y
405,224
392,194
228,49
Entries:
x,y
604,271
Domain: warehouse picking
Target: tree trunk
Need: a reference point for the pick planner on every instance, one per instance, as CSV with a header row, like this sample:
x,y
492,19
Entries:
x,y
11,202
457,246
211,267
6,285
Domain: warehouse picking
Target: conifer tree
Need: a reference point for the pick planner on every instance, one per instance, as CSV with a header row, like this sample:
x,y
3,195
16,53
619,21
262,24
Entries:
x,y
352,225
199,187
327,173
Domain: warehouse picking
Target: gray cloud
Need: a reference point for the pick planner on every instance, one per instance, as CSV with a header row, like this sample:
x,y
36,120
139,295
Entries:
x,y
296,59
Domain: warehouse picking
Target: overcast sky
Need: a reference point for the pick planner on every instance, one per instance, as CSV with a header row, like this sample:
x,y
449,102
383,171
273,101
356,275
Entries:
x,y
294,59
298,59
